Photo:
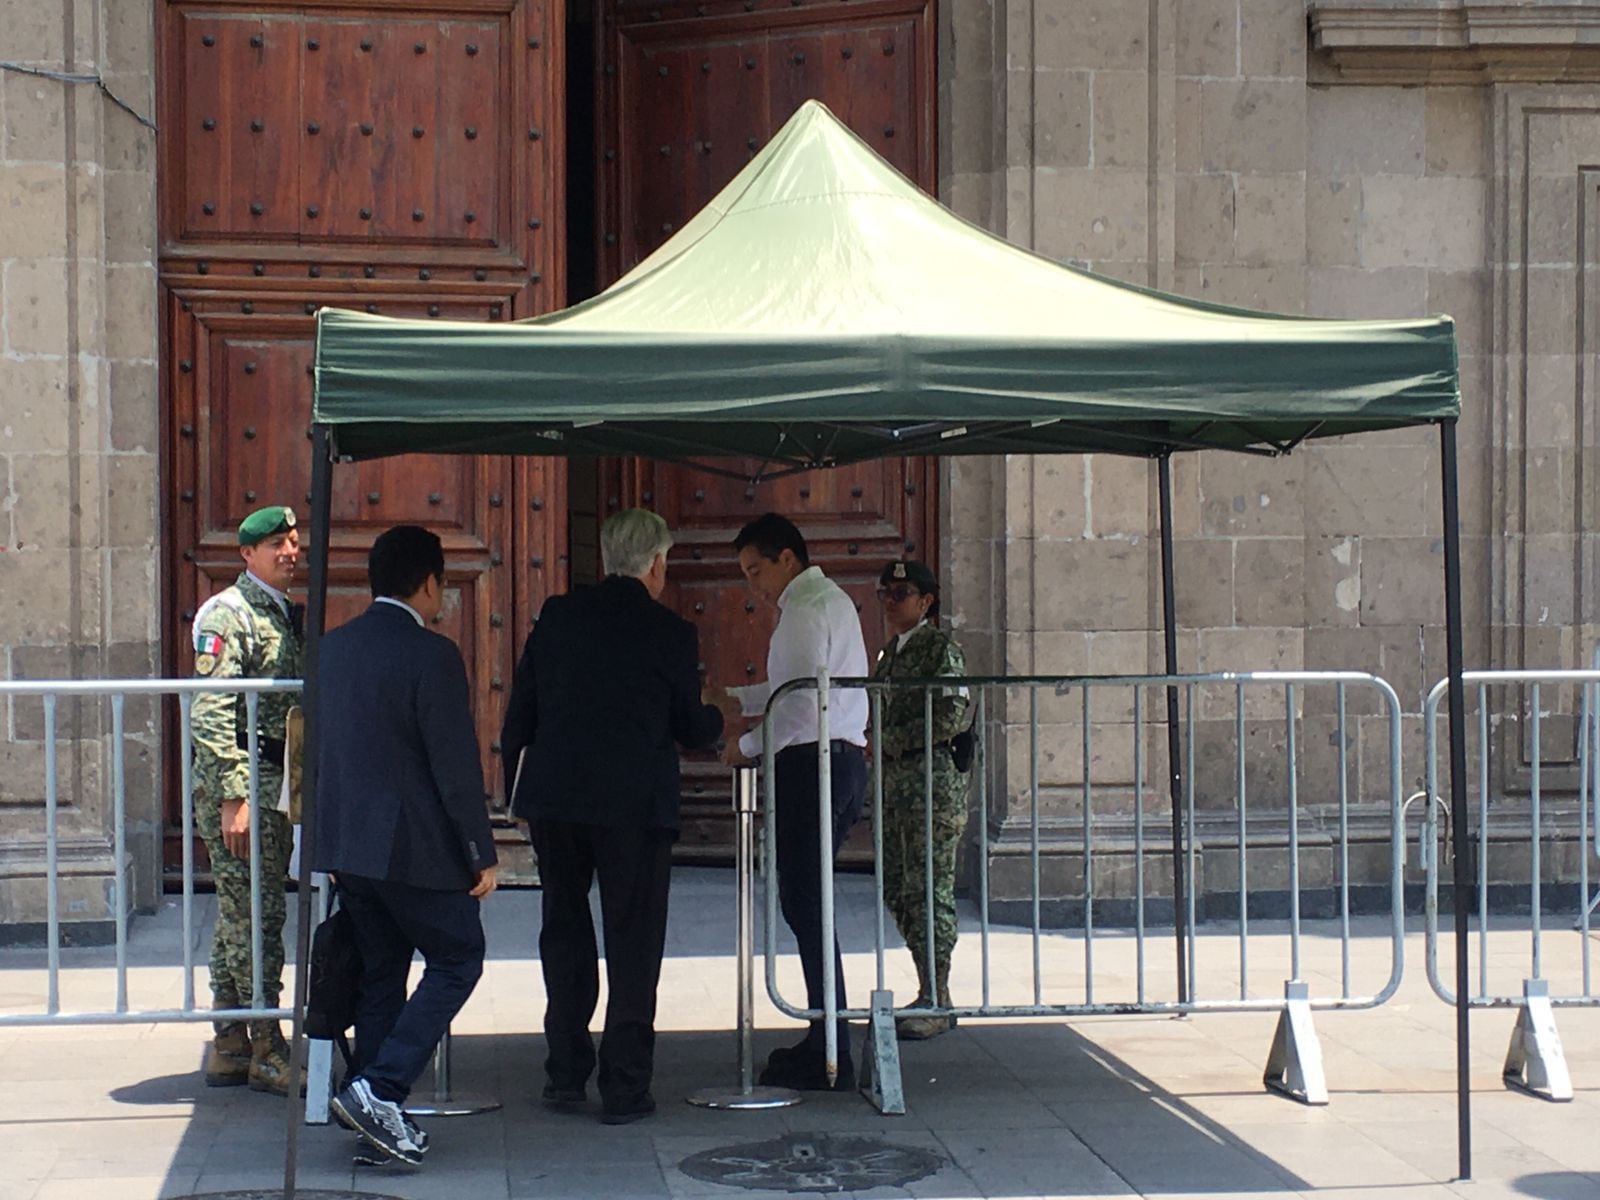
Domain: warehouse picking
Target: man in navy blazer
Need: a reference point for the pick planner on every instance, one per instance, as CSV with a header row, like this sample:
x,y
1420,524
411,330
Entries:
x,y
607,689
401,821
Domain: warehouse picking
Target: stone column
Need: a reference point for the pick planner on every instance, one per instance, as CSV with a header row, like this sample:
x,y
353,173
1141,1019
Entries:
x,y
1202,147
78,446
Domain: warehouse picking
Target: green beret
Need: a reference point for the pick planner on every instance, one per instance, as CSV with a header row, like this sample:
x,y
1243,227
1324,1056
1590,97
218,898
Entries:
x,y
910,571
265,522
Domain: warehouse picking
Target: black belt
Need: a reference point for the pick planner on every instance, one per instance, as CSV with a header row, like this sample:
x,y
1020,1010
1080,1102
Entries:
x,y
269,749
836,745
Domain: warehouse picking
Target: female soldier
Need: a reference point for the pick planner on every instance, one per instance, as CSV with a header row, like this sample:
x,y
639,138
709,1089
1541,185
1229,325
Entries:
x,y
918,649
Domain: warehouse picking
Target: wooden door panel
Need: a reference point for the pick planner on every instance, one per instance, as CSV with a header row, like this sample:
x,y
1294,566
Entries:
x,y
868,77
658,89
340,148
242,412
399,159
686,99
841,498
728,77
393,128
468,114
241,126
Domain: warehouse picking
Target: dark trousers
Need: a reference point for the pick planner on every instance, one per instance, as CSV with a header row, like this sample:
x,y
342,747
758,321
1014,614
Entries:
x,y
800,860
634,867
395,1036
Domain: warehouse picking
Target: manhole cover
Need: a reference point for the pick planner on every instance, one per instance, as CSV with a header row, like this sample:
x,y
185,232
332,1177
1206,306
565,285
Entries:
x,y
276,1193
813,1162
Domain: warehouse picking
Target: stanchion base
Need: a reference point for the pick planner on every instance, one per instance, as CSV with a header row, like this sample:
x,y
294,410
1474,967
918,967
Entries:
x,y
456,1105
756,1097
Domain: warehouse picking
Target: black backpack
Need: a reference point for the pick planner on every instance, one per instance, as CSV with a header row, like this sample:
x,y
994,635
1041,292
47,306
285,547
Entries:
x,y
335,979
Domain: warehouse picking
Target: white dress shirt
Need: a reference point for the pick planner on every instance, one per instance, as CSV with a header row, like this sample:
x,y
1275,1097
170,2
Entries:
x,y
818,627
415,615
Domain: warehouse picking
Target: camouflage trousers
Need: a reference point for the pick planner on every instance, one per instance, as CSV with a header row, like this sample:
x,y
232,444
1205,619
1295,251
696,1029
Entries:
x,y
905,855
230,943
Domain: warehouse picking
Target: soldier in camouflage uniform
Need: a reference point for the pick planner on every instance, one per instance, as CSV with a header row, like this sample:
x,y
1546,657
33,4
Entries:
x,y
918,649
247,631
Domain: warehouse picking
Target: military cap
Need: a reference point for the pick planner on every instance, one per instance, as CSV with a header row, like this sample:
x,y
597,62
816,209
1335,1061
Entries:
x,y
913,572
264,522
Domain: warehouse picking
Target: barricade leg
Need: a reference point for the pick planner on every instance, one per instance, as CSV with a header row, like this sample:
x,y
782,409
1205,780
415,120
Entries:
x,y
444,1102
319,1080
745,1094
1535,1062
880,1059
1294,1065
319,1051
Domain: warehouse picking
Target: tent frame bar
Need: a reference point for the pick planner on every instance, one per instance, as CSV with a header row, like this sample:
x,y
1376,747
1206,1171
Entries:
x,y
1461,844
316,620
1169,638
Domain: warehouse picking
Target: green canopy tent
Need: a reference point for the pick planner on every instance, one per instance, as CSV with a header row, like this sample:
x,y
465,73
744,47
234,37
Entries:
x,y
820,311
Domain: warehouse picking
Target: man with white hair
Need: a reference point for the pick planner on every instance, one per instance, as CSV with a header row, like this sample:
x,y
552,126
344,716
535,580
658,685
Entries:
x,y
607,689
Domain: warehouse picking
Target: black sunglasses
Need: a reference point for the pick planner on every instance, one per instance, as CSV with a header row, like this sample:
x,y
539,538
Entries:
x,y
898,593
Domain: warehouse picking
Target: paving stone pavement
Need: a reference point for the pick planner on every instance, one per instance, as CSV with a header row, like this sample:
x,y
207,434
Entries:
x,y
1117,1106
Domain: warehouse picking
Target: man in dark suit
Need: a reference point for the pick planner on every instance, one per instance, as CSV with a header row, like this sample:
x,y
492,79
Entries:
x,y
607,689
401,820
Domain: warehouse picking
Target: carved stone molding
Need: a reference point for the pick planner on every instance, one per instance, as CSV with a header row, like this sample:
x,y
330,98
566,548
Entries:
x,y
1467,41
1545,253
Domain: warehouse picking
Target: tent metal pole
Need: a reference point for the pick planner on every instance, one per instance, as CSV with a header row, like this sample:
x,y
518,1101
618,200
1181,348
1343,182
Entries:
x,y
316,618
1169,631
1461,869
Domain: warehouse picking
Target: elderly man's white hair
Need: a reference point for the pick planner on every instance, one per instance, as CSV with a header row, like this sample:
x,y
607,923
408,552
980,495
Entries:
x,y
630,541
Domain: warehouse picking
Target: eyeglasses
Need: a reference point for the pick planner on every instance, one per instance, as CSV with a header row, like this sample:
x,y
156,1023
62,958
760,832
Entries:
x,y
897,594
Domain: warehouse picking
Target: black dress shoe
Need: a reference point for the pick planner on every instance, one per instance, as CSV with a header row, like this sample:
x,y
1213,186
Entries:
x,y
807,1074
563,1099
628,1111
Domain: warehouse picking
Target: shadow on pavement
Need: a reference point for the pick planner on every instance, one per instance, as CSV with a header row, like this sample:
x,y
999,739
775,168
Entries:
x,y
1559,1185
1011,1110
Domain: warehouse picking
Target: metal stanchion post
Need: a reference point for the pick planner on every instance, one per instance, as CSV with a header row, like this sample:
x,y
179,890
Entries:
x,y
443,1102
746,1094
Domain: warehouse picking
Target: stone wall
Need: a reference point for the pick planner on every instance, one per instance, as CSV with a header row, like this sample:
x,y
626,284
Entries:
x,y
1204,146
78,442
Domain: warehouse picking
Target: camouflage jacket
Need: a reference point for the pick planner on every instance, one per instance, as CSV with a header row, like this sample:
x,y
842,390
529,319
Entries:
x,y
928,653
241,633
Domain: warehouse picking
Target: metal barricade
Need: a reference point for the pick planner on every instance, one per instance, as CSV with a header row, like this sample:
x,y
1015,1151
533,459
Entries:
x,y
1535,1061
1294,1062
118,690
1591,777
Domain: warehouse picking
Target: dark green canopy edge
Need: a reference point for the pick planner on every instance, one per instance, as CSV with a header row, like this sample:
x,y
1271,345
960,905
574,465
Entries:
x,y
398,387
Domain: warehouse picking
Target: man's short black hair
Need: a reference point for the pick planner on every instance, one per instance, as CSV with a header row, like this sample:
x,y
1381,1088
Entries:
x,y
403,559
771,535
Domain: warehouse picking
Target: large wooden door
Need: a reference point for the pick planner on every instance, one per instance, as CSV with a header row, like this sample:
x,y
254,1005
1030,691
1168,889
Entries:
x,y
386,159
688,92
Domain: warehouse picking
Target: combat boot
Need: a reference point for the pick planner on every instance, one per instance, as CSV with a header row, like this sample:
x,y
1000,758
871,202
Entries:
x,y
269,1059
919,1028
906,1026
228,1055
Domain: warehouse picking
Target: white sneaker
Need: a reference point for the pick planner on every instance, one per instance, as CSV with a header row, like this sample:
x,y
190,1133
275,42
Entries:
x,y
379,1122
366,1156
419,1135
